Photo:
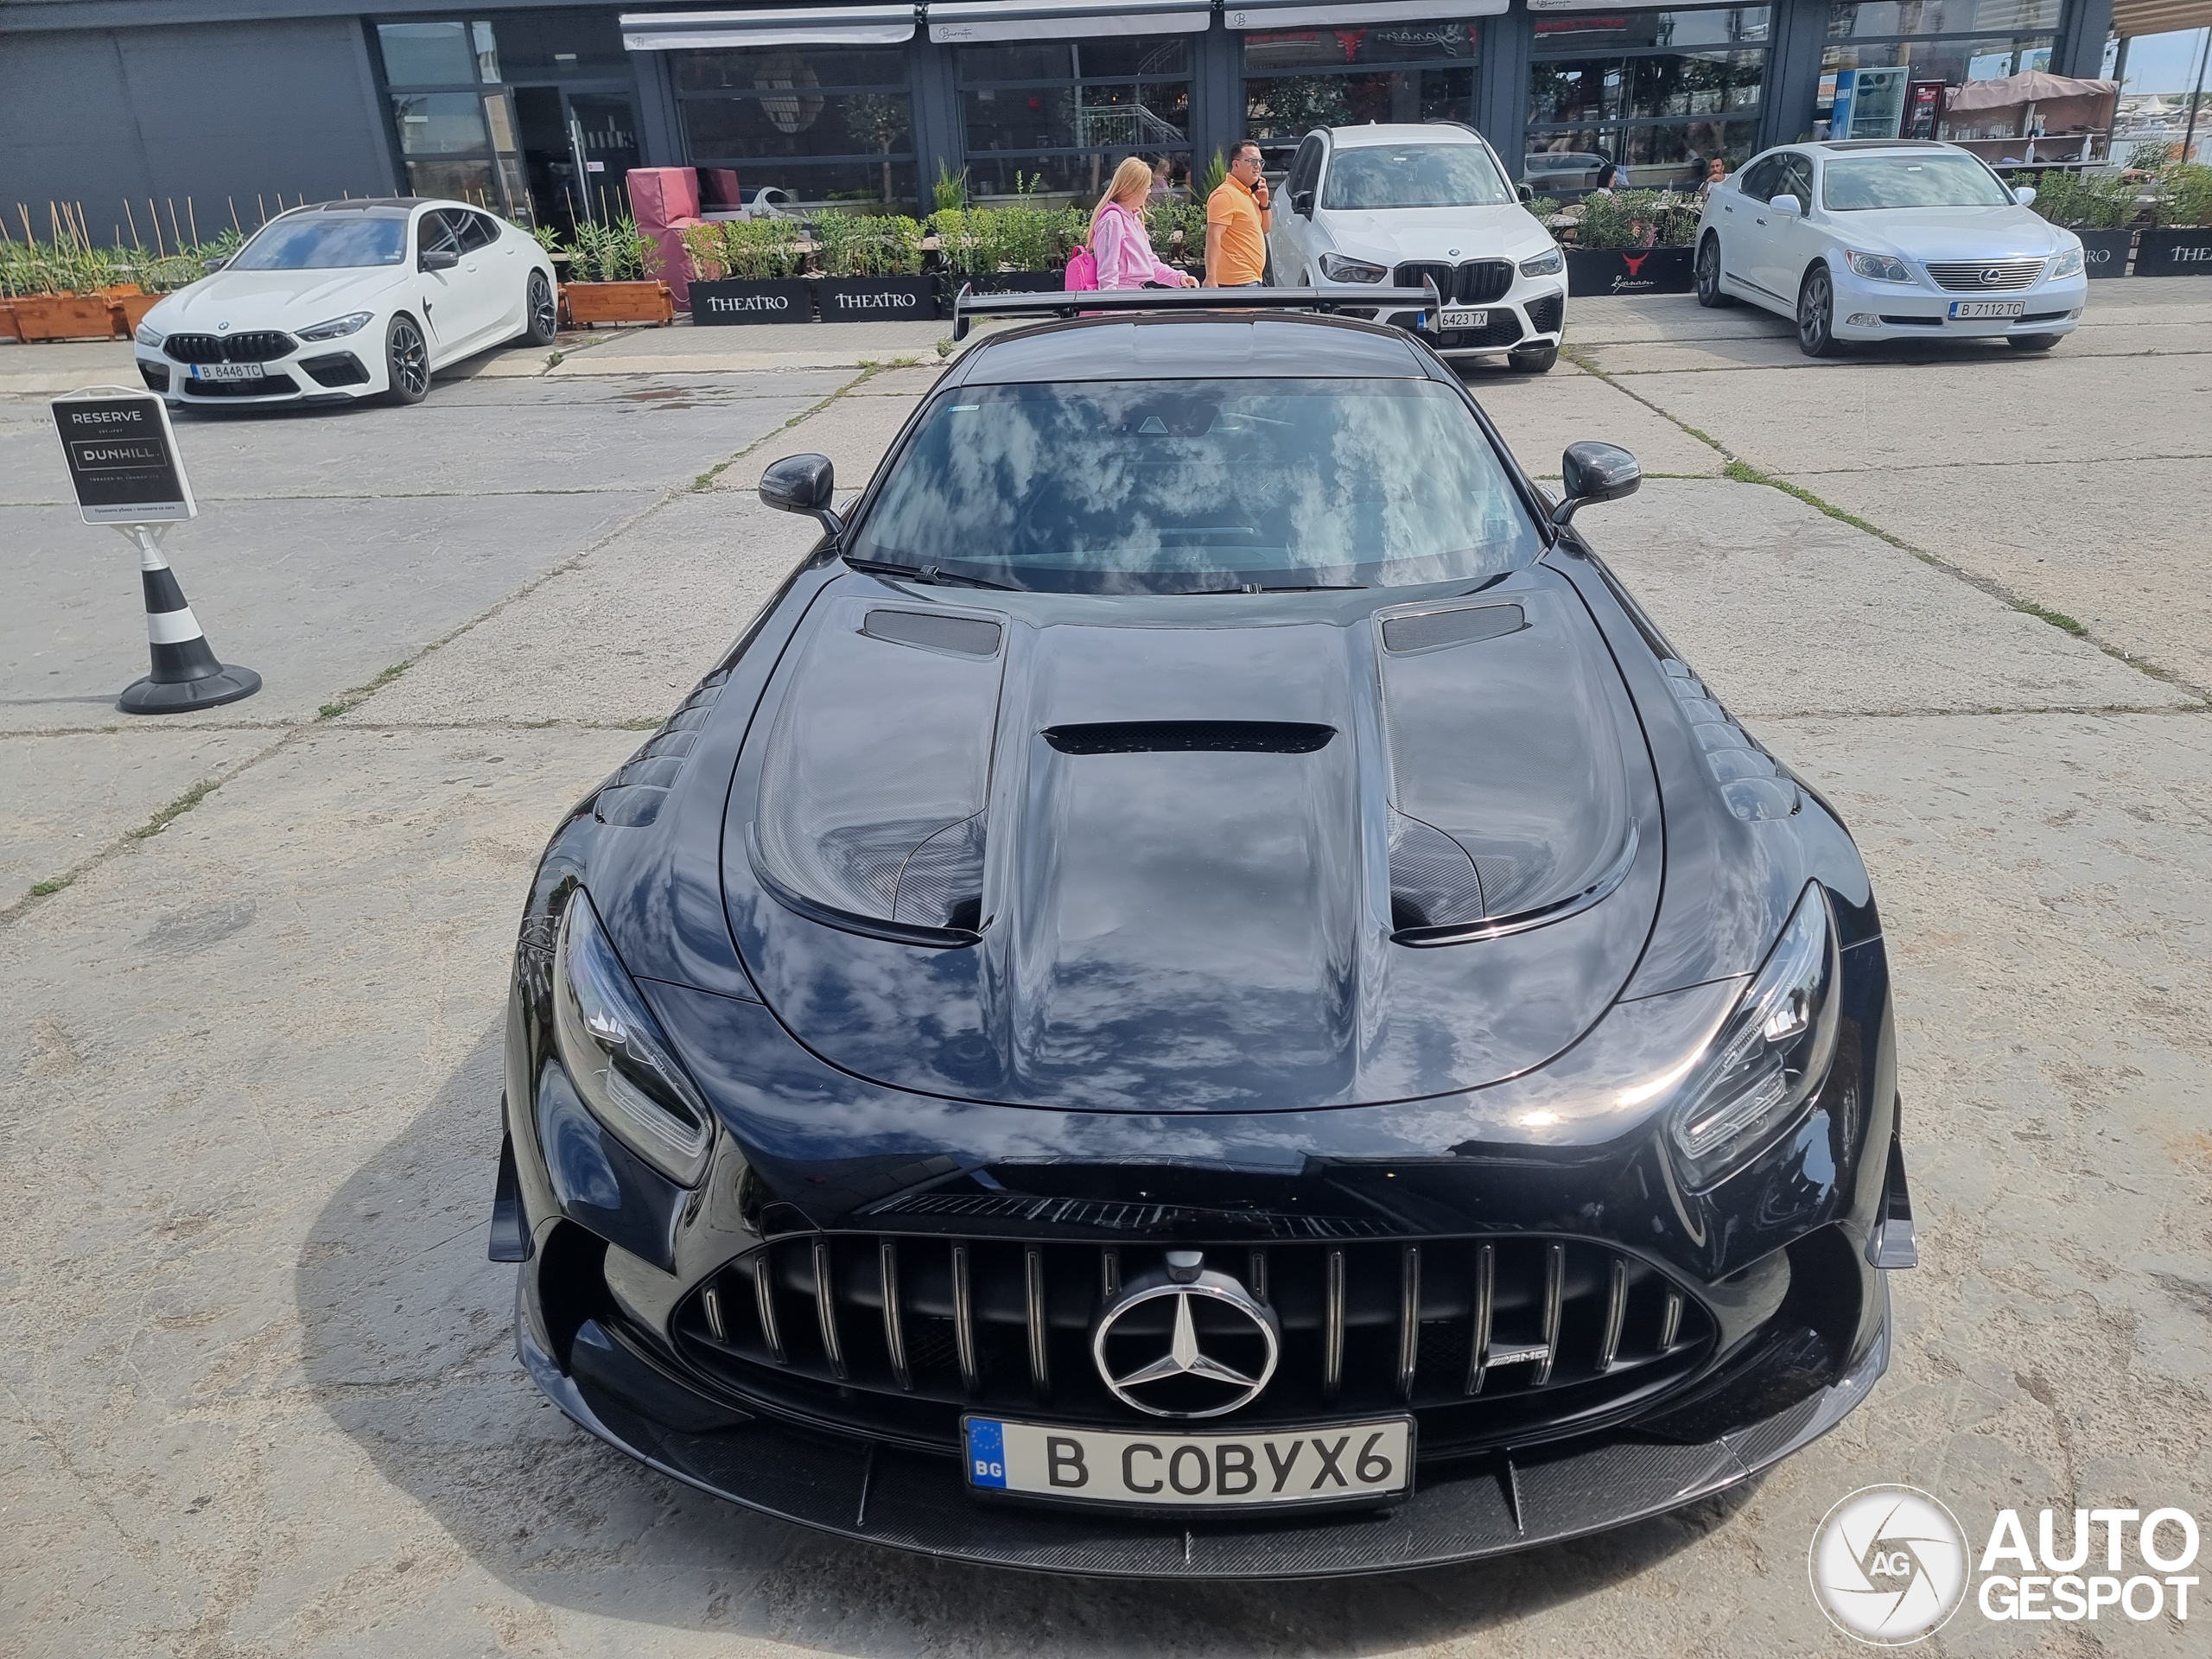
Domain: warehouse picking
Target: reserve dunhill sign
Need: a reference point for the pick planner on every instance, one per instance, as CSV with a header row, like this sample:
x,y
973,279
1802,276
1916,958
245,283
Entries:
x,y
123,460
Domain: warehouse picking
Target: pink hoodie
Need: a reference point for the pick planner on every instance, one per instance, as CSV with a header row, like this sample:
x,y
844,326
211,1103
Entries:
x,y
1124,252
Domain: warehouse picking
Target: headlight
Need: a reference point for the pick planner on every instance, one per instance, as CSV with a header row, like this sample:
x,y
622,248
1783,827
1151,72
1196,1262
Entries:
x,y
616,1055
337,328
2068,264
1771,1055
147,334
1338,269
1549,263
1880,267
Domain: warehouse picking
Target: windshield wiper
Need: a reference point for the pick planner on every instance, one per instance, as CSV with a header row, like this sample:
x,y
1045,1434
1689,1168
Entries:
x,y
931,574
1287,588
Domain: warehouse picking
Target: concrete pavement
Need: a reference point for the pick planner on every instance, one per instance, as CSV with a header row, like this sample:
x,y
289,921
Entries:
x,y
259,1396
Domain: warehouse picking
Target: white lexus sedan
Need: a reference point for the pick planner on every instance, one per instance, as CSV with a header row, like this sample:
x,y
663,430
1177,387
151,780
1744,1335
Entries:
x,y
1402,204
347,300
1889,238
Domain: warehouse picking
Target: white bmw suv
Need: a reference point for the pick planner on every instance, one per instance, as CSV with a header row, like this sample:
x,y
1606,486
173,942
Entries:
x,y
1401,204
1889,238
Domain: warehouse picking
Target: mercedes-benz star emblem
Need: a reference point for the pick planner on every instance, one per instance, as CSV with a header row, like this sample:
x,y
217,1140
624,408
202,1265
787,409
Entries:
x,y
1186,1343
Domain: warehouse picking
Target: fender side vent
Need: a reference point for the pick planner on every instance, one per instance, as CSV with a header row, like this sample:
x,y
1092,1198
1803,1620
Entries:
x,y
1464,626
965,634
1190,736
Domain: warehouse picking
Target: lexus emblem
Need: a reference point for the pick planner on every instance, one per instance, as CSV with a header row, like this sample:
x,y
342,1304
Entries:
x,y
1991,276
1187,1343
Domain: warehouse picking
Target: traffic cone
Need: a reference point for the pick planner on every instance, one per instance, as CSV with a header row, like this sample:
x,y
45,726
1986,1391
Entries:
x,y
186,674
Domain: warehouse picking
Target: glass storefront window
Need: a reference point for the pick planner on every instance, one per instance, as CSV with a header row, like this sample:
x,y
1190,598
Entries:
x,y
427,54
456,129
1952,62
1658,93
440,123
1066,112
1298,80
826,124
1883,19
537,45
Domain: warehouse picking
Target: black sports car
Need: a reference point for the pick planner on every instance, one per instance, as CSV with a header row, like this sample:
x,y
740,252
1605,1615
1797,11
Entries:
x,y
1201,995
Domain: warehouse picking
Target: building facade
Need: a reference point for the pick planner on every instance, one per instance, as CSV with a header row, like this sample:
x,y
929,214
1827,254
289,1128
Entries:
x,y
217,110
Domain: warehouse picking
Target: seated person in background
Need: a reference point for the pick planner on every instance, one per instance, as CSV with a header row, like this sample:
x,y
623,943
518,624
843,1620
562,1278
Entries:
x,y
1609,178
1716,174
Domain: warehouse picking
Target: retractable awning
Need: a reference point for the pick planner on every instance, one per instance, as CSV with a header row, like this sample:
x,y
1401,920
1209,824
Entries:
x,y
677,31
961,20
2136,17
1303,13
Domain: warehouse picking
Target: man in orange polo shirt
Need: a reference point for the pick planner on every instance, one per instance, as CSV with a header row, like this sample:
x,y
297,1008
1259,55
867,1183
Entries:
x,y
1237,221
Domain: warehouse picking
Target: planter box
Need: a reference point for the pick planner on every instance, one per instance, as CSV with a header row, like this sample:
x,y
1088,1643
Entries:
x,y
1628,271
130,309
8,330
63,316
738,301
2104,253
876,299
595,302
1017,281
2160,253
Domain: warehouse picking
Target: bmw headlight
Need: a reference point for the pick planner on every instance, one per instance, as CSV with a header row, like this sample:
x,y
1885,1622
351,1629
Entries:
x,y
1772,1054
337,328
1339,268
147,334
1880,267
2068,264
1549,263
617,1056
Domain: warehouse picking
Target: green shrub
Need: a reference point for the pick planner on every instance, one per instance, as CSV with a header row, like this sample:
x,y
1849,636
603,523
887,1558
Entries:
x,y
950,193
613,252
750,250
2083,201
870,244
1166,219
2185,195
1636,219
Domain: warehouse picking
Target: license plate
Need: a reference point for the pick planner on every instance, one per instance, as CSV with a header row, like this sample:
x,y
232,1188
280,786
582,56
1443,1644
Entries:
x,y
1281,1467
226,371
1969,310
1460,317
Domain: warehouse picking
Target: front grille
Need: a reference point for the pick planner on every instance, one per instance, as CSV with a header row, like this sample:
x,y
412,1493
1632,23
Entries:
x,y
155,376
1487,1340
1475,282
260,345
336,369
1967,276
270,385
1545,314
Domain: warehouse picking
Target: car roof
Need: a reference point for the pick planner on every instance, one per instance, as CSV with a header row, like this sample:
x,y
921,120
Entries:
x,y
1881,143
1295,346
1402,132
365,203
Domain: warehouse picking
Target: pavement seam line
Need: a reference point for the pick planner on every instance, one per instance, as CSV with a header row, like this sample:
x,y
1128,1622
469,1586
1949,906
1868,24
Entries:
x,y
705,481
1740,471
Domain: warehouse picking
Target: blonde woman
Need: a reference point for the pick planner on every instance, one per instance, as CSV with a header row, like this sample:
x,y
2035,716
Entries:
x,y
1118,241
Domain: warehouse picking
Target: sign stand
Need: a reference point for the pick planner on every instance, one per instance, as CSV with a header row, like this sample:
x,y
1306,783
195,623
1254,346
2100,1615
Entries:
x,y
123,463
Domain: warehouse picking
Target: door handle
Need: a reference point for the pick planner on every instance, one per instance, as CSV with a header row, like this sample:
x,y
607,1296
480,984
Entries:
x,y
1758,221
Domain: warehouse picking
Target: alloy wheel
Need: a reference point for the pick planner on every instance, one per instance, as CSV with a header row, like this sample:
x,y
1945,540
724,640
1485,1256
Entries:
x,y
1708,271
409,361
544,318
1816,313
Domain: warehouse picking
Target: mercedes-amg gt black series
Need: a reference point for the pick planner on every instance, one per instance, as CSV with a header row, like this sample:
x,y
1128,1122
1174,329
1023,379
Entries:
x,y
1203,994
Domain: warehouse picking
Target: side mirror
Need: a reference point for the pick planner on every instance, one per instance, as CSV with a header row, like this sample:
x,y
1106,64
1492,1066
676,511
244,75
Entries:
x,y
1526,193
2024,195
803,484
438,259
1786,204
1595,472
214,265
1301,203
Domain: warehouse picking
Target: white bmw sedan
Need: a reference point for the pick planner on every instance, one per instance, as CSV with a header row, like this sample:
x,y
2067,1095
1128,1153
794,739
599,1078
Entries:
x,y
1886,239
1401,204
346,300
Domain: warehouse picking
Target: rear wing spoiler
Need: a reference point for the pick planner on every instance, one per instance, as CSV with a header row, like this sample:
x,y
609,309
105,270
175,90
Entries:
x,y
969,305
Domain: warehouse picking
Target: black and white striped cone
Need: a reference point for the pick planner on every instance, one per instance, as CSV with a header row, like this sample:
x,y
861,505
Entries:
x,y
186,674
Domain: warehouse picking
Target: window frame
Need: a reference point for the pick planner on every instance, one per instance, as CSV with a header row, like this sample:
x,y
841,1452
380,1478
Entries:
x,y
510,178
906,161
1470,65
1108,155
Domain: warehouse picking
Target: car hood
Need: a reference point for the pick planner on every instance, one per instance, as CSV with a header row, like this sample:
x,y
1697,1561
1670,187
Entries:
x,y
2008,231
1507,231
1152,854
273,298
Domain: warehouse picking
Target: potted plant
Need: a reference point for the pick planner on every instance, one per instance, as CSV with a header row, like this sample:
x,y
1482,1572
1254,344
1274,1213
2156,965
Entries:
x,y
612,278
57,290
2179,241
2099,209
746,271
1177,226
1634,242
871,269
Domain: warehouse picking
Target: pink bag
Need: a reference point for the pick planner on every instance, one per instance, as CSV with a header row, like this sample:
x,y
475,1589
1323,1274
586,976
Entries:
x,y
1083,272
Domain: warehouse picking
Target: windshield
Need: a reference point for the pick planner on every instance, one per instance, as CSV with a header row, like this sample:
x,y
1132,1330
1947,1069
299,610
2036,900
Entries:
x,y
1415,176
1924,180
1200,487
325,242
